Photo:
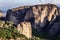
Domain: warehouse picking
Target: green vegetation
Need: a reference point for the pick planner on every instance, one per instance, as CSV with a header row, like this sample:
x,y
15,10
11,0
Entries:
x,y
9,31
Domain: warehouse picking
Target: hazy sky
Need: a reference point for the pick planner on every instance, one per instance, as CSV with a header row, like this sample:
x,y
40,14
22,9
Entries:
x,y
7,4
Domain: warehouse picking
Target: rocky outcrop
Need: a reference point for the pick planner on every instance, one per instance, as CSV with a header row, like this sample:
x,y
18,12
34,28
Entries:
x,y
42,17
17,15
2,16
25,28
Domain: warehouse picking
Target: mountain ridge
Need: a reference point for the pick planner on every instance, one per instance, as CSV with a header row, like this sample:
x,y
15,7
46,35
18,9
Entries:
x,y
43,18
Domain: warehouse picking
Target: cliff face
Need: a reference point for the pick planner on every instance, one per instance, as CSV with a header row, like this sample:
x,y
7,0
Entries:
x,y
25,28
42,17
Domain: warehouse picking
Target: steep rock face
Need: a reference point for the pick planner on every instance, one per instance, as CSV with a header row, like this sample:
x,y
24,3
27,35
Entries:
x,y
54,26
25,28
42,17
17,15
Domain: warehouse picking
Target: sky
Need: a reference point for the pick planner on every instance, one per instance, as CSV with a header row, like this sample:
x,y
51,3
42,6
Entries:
x,y
8,4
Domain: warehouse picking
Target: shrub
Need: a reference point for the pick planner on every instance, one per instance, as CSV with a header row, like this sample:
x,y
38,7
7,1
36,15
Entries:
x,y
8,31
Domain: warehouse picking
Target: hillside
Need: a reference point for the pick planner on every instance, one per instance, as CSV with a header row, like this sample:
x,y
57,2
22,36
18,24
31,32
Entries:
x,y
38,20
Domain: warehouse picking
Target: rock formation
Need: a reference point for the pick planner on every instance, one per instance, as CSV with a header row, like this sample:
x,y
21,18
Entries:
x,y
1,14
42,17
25,28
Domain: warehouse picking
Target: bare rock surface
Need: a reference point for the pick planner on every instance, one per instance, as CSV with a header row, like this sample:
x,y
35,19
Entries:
x,y
43,17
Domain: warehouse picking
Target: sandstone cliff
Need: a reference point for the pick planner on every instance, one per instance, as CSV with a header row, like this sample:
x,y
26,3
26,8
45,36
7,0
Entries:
x,y
42,17
25,28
